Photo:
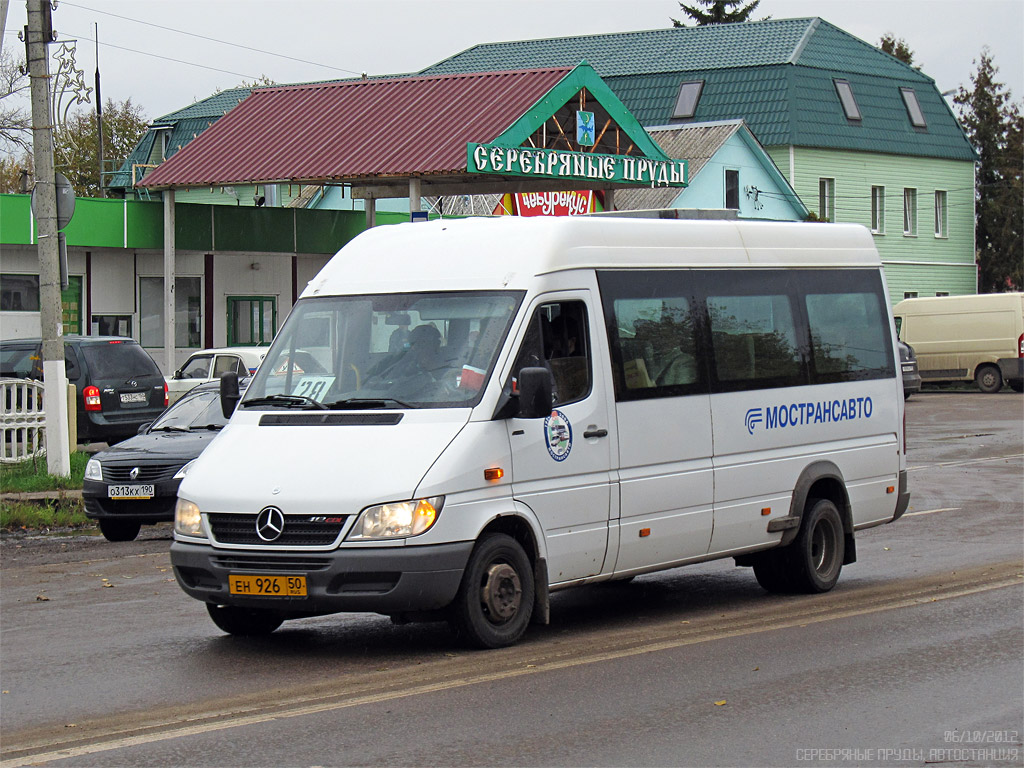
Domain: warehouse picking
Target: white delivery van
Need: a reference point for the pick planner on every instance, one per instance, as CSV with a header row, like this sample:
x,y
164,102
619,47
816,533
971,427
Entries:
x,y
976,338
460,417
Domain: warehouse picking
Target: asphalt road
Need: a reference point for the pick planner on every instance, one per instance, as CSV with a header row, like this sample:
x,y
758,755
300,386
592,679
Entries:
x,y
917,656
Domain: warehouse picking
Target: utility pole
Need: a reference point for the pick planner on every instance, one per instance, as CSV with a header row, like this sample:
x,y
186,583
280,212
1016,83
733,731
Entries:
x,y
39,35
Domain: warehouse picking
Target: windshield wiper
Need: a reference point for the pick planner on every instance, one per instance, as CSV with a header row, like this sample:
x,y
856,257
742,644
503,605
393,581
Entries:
x,y
286,401
206,426
368,402
171,428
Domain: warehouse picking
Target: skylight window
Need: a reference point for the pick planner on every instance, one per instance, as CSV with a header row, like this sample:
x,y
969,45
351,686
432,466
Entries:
x,y
689,95
846,97
913,108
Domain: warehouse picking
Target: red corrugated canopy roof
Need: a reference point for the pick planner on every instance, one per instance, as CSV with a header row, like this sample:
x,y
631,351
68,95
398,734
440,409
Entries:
x,y
356,129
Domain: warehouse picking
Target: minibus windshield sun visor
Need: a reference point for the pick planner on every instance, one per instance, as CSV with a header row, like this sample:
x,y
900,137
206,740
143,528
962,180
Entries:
x,y
386,351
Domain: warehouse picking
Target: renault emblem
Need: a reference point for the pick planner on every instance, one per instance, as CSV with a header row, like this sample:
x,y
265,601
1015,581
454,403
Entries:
x,y
134,474
270,524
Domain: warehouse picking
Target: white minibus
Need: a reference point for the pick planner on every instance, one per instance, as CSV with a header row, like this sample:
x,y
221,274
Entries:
x,y
460,417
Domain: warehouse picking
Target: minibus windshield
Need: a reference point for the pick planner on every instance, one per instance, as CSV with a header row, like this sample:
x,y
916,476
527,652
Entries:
x,y
408,350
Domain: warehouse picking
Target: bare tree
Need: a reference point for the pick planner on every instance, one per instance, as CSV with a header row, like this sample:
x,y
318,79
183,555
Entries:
x,y
15,119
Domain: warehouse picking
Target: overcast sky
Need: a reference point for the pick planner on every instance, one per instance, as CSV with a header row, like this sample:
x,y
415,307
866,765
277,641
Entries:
x,y
342,38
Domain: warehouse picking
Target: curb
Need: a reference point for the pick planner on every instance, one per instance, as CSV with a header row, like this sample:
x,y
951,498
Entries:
x,y
37,496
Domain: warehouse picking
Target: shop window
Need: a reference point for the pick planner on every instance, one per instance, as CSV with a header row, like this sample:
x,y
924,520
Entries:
x,y
188,315
19,293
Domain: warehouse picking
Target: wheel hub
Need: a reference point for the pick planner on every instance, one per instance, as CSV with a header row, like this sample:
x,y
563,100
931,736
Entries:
x,y
502,592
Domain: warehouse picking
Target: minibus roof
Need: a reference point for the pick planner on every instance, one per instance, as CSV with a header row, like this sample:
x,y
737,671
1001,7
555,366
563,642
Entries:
x,y
509,252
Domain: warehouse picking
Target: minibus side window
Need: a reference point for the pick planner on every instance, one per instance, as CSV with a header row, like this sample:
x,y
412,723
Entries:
x,y
850,337
755,341
652,333
557,339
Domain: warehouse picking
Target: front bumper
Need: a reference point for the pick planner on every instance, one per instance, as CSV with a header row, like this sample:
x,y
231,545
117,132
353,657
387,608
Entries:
x,y
158,508
388,580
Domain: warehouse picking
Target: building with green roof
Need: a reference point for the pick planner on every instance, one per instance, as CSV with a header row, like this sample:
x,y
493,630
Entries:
x,y
860,136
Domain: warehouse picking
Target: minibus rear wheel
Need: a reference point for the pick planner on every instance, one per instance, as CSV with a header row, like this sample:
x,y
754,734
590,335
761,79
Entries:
x,y
243,621
812,563
495,600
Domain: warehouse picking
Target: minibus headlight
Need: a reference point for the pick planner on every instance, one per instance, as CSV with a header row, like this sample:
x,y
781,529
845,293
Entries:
x,y
188,520
93,470
396,520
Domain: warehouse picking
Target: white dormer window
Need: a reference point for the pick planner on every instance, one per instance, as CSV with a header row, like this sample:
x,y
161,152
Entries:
x,y
913,108
849,103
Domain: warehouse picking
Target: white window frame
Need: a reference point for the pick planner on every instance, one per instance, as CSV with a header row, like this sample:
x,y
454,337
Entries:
x,y
878,210
909,212
827,199
941,213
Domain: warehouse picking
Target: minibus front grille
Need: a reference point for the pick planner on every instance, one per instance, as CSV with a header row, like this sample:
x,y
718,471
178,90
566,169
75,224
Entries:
x,y
256,563
298,530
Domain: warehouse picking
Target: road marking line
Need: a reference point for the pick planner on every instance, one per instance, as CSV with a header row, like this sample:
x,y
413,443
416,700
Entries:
x,y
966,461
932,511
300,710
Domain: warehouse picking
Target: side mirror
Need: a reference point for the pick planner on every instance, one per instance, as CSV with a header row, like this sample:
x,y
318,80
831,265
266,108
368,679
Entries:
x,y
179,374
229,396
535,393
144,428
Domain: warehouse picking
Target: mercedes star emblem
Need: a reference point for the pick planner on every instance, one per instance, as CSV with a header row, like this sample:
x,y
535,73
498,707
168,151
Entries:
x,y
270,523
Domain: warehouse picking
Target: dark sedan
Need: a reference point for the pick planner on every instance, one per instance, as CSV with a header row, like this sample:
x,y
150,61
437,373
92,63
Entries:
x,y
136,482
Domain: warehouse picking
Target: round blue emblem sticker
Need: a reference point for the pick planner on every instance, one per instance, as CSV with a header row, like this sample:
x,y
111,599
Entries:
x,y
558,434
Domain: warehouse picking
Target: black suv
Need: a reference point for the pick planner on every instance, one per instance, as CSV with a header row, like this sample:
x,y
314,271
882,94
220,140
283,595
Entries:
x,y
120,387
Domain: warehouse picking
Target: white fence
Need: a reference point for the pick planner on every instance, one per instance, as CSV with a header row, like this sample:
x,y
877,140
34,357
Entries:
x,y
22,420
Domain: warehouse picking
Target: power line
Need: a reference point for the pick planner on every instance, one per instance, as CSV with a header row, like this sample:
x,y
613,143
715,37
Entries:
x,y
211,39
165,58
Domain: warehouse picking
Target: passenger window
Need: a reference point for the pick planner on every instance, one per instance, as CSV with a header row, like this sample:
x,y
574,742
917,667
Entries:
x,y
197,367
655,342
557,339
847,336
228,363
755,341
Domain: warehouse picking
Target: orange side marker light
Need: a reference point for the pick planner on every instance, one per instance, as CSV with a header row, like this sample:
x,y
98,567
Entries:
x,y
494,473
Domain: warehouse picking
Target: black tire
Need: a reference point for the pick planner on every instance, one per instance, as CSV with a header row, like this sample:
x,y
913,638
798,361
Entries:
x,y
495,600
989,379
119,530
812,562
245,622
771,573
1017,385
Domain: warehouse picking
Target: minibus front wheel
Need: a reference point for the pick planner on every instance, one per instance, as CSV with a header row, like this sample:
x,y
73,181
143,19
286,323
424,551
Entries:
x,y
244,621
495,600
813,561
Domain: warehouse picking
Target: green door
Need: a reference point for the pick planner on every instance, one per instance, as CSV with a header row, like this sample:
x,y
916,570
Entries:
x,y
71,305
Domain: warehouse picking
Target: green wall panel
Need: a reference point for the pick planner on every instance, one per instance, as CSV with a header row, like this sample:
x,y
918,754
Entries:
x,y
97,222
15,219
192,227
145,224
253,229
